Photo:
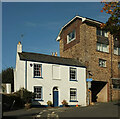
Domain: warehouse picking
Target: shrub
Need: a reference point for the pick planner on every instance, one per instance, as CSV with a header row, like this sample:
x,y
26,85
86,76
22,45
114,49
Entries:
x,y
11,101
64,103
49,103
17,100
25,95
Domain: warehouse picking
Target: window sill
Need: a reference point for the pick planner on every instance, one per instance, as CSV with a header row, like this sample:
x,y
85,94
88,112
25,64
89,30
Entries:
x,y
38,100
56,79
73,101
116,88
73,80
70,41
38,77
102,52
116,54
102,67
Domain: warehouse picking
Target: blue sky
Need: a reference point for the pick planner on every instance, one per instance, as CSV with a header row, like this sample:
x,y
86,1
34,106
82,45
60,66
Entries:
x,y
40,23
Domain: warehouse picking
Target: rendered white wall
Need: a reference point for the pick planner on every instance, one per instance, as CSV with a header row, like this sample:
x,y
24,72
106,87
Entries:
x,y
48,83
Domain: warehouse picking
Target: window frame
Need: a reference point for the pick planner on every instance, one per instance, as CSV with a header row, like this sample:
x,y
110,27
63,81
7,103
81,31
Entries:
x,y
117,85
71,79
68,36
101,49
103,33
75,96
102,63
34,70
119,65
41,93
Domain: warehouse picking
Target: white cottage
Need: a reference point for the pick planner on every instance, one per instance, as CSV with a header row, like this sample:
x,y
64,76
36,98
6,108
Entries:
x,y
50,78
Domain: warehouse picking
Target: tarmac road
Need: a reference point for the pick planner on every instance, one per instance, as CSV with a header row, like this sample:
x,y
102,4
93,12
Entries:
x,y
110,110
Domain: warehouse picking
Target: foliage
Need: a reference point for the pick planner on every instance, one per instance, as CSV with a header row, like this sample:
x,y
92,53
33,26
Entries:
x,y
20,97
25,95
8,76
113,23
49,103
8,100
64,102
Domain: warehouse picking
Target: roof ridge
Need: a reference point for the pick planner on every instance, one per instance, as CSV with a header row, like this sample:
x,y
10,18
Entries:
x,y
51,56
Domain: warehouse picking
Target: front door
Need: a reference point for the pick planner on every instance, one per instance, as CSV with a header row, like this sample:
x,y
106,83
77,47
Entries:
x,y
55,97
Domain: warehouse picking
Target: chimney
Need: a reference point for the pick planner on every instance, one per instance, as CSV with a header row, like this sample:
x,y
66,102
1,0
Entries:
x,y
52,53
19,47
55,53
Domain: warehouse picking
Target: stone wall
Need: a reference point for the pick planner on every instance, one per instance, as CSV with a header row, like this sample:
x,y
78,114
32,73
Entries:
x,y
83,48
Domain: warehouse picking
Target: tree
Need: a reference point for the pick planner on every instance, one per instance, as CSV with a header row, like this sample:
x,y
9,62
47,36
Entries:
x,y
8,76
113,23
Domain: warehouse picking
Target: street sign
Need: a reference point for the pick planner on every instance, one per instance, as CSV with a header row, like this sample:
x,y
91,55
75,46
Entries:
x,y
89,79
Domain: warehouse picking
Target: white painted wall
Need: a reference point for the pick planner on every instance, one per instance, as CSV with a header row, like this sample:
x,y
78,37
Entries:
x,y
48,83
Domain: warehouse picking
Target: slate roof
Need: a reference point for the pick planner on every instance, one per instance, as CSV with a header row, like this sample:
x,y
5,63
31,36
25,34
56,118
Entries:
x,y
36,57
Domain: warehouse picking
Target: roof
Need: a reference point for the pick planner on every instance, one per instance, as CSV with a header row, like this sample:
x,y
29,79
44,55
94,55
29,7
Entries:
x,y
84,19
36,57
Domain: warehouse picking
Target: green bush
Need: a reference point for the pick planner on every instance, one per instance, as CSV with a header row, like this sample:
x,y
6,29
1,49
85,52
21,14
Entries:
x,y
25,95
20,98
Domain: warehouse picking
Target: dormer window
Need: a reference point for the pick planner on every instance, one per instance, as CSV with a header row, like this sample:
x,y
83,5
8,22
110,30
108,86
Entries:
x,y
71,36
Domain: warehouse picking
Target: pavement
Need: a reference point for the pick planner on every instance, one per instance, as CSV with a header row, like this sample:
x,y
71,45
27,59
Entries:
x,y
110,110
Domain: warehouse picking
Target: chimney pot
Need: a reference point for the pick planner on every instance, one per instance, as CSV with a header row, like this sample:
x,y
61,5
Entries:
x,y
55,53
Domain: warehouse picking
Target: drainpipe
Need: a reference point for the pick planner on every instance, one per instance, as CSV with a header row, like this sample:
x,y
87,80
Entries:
x,y
111,73
26,74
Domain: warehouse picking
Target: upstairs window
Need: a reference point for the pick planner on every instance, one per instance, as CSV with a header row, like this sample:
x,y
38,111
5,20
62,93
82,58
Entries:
x,y
116,51
118,65
102,47
73,74
38,92
37,70
102,33
71,36
102,63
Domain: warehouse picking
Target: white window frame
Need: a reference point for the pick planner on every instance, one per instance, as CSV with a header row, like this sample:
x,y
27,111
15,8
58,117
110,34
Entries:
x,y
37,73
73,97
72,73
100,47
102,33
38,93
70,34
102,63
116,50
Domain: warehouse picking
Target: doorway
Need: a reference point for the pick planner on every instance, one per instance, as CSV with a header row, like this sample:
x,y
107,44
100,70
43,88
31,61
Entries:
x,y
55,96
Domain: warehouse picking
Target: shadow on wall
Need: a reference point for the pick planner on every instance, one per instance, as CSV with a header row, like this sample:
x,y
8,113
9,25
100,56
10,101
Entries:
x,y
96,87
36,103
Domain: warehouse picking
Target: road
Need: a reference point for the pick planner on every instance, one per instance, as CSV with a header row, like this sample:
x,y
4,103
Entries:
x,y
110,109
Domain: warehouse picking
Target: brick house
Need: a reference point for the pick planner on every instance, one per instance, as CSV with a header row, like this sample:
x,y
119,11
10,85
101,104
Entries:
x,y
82,39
